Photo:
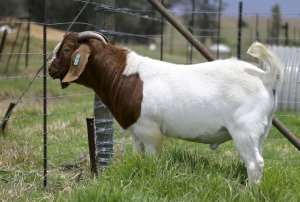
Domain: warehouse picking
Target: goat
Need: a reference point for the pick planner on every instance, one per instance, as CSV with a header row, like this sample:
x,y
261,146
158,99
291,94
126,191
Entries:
x,y
211,102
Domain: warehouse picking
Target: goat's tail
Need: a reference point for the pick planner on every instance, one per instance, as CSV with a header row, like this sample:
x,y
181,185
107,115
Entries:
x,y
274,74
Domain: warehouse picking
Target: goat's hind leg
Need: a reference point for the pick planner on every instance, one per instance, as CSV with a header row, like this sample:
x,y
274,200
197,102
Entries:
x,y
248,146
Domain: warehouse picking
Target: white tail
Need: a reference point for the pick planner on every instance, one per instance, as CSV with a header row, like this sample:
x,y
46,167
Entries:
x,y
274,75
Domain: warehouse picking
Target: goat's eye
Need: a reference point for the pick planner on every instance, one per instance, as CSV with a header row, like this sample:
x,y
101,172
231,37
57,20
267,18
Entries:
x,y
67,50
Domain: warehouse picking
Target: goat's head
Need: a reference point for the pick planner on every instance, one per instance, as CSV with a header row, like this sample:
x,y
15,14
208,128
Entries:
x,y
70,56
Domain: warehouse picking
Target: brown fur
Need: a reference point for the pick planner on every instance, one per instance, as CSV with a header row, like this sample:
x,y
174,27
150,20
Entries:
x,y
103,73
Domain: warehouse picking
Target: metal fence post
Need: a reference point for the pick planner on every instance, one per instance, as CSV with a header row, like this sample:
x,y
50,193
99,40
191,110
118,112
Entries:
x,y
45,133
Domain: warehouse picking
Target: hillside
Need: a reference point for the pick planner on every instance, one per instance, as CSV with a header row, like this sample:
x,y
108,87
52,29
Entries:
x,y
231,21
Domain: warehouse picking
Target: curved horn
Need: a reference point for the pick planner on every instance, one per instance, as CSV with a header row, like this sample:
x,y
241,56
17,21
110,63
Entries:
x,y
82,36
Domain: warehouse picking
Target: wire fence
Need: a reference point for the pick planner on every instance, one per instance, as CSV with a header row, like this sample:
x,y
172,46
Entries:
x,y
21,153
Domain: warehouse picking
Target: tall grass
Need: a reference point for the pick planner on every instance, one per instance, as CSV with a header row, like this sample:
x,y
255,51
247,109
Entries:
x,y
180,174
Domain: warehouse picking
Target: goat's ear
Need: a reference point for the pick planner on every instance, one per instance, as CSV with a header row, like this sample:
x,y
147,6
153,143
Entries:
x,y
78,61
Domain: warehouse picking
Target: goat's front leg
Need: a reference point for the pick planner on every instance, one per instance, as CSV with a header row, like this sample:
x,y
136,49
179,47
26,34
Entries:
x,y
151,140
138,145
147,136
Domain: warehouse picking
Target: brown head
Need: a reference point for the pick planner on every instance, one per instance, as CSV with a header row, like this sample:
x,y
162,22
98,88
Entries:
x,y
70,56
81,59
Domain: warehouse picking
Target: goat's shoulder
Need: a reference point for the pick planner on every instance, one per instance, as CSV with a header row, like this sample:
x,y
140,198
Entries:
x,y
139,64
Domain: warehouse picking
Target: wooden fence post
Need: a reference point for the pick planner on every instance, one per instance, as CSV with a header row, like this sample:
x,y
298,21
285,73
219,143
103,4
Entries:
x,y
92,145
7,115
239,30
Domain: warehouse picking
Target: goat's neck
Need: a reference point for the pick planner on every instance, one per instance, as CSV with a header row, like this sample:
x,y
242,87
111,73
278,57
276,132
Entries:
x,y
121,94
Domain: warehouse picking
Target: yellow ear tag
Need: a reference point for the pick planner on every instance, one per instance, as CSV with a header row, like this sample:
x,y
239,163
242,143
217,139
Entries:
x,y
77,58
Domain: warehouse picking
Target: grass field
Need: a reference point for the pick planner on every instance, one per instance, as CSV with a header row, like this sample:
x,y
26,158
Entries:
x,y
184,171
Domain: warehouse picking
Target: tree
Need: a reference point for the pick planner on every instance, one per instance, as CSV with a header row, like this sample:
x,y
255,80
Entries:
x,y
138,17
206,15
12,8
63,13
275,24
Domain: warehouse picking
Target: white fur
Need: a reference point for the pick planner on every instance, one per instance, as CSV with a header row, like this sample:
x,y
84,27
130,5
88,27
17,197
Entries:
x,y
210,103
55,52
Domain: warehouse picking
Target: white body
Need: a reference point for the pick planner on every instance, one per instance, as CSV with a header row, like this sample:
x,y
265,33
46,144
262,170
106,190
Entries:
x,y
194,102
210,103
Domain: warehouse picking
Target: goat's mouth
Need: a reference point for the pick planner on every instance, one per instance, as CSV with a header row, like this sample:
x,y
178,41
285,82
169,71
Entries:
x,y
53,70
57,75
54,75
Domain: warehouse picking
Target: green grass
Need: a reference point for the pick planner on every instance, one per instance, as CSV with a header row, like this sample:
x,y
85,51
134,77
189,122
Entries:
x,y
184,174
184,171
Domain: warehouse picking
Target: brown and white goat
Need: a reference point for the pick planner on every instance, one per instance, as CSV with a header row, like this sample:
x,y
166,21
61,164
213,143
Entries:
x,y
210,102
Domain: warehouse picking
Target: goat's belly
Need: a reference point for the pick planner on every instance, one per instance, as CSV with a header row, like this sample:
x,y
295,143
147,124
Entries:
x,y
208,137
